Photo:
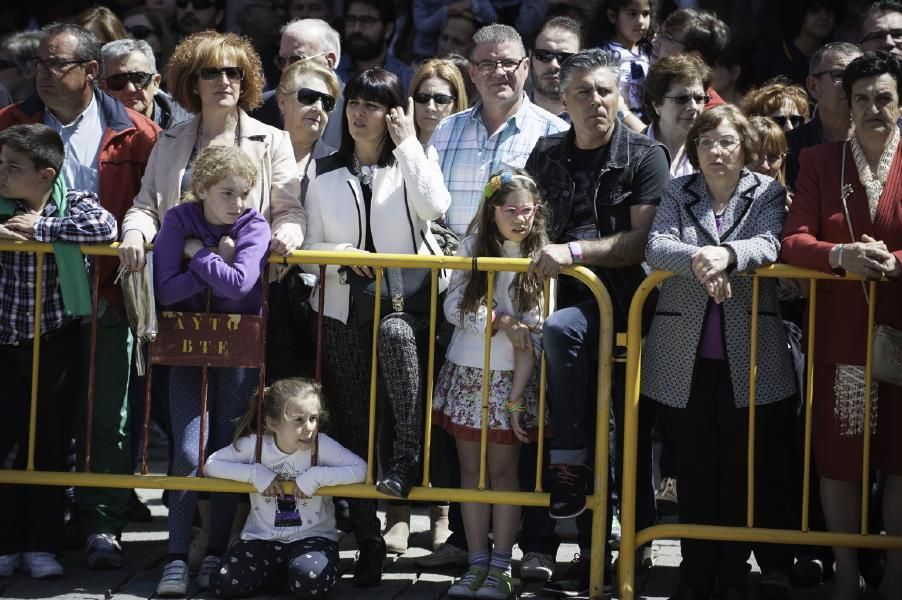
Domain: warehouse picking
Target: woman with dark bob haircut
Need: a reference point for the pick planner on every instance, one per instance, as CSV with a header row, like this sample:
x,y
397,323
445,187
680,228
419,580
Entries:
x,y
378,193
846,217
711,227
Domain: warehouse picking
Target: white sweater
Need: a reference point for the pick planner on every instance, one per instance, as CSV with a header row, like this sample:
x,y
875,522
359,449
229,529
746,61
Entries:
x,y
287,519
467,347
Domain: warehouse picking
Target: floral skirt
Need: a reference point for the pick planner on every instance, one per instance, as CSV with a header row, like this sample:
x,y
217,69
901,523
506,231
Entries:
x,y
457,404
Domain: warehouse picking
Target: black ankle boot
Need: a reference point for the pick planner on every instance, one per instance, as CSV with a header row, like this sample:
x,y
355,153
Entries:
x,y
368,570
400,477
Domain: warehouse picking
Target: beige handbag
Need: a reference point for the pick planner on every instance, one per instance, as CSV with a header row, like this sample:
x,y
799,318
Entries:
x,y
140,306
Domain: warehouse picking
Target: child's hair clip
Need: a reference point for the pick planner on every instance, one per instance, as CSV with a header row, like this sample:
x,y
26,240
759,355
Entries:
x,y
502,178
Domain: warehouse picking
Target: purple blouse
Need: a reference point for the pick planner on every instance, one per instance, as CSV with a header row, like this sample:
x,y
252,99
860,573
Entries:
x,y
712,344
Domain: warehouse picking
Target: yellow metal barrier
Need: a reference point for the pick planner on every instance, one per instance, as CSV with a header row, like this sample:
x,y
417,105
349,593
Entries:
x,y
631,540
596,502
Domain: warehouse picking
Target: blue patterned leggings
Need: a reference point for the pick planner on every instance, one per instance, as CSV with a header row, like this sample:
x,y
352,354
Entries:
x,y
308,566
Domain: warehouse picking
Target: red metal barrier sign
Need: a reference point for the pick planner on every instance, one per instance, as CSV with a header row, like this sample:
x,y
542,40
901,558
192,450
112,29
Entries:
x,y
207,339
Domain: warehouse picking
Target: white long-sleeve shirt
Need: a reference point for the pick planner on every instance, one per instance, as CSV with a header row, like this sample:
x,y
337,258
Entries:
x,y
286,518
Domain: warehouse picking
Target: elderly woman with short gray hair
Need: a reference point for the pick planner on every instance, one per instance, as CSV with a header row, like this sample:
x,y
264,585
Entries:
x,y
710,227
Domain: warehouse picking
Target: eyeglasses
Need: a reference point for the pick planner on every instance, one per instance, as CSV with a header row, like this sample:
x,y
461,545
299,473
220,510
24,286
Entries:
x,y
283,62
141,32
120,80
309,97
896,34
364,20
442,99
213,73
197,4
796,120
672,40
685,98
57,67
835,74
546,56
489,66
513,211
727,144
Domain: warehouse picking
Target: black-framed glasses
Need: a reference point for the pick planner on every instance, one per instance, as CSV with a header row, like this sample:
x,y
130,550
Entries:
x,y
57,67
137,78
796,120
683,99
283,62
197,4
895,34
489,66
546,56
363,20
727,143
442,99
141,32
835,74
309,97
233,74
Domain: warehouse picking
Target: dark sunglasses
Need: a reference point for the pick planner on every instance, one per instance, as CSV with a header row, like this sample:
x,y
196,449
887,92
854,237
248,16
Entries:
x,y
437,98
685,98
309,97
197,4
141,32
119,81
796,120
546,56
214,73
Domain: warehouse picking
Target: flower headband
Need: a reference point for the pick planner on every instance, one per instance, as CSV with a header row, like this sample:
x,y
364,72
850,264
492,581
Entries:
x,y
505,177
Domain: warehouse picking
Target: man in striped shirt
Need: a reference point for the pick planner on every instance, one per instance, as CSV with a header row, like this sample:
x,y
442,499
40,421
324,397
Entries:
x,y
498,131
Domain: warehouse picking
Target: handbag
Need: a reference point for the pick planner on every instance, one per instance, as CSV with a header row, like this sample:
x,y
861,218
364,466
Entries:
x,y
140,305
886,349
403,290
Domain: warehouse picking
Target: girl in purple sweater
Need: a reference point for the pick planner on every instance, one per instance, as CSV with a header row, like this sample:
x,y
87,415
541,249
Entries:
x,y
185,269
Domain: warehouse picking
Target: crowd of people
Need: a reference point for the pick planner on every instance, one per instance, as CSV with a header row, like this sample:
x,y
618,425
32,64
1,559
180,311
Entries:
x,y
625,137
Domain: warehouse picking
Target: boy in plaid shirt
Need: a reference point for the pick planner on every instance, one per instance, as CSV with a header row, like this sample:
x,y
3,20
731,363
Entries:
x,y
35,205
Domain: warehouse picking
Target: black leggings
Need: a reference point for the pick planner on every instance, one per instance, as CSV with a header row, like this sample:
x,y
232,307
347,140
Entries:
x,y
309,567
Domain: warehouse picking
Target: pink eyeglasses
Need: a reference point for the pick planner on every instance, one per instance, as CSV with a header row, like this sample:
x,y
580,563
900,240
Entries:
x,y
512,211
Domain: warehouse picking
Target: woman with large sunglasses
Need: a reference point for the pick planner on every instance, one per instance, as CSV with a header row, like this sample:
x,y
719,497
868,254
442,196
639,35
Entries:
x,y
438,90
785,103
218,77
378,193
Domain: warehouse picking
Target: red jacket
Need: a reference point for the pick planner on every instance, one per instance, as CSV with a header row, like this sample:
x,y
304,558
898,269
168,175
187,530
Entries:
x,y
816,223
127,141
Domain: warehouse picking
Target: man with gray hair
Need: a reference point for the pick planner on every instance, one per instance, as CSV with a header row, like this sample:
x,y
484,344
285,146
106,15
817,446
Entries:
x,y
500,130
832,121
17,50
306,39
130,75
602,183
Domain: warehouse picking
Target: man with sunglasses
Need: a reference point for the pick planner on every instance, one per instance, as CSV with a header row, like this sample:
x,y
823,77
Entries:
x,y
130,75
832,120
106,152
558,39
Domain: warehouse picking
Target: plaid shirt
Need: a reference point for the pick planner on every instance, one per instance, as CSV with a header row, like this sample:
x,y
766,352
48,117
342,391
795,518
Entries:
x,y
469,155
87,223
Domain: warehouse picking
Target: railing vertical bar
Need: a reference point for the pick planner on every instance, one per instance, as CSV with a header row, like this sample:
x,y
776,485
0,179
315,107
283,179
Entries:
x,y
261,371
809,402
486,378
92,371
540,442
202,442
148,399
374,371
35,356
866,431
430,370
753,382
318,373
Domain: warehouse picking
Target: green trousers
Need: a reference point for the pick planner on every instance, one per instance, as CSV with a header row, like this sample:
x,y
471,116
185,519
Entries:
x,y
102,509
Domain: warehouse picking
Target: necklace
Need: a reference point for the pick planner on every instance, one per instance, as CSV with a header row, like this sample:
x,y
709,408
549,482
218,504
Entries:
x,y
200,131
364,172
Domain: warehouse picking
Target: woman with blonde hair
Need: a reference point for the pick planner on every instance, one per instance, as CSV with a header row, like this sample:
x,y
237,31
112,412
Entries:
x,y
782,101
772,149
103,23
438,90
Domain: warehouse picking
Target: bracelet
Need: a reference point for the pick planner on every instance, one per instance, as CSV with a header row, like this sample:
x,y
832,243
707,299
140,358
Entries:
x,y
842,248
515,405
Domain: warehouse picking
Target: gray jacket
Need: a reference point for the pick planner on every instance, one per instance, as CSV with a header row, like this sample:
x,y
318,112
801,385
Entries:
x,y
751,227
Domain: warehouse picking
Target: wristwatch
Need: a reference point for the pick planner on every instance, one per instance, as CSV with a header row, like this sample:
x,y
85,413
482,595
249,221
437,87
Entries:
x,y
575,252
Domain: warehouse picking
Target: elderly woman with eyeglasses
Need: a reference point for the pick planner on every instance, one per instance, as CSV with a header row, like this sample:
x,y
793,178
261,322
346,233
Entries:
x,y
710,227
217,77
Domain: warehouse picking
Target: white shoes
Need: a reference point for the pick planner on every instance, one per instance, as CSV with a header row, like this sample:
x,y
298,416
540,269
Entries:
x,y
174,581
209,566
41,565
9,563
536,566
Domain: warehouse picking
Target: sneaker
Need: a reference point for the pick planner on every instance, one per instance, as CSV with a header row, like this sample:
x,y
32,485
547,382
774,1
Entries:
x,y
575,580
466,586
446,555
368,569
536,566
666,497
209,565
9,563
497,585
569,488
41,565
104,551
174,581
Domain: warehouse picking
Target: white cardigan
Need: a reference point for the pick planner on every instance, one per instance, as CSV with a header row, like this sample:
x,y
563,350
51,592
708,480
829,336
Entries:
x,y
313,516
336,214
467,347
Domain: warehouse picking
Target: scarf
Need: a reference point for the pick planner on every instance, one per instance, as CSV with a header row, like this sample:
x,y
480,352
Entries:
x,y
69,260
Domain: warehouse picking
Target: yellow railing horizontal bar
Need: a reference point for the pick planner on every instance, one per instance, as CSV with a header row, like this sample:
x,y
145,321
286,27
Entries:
x,y
776,536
